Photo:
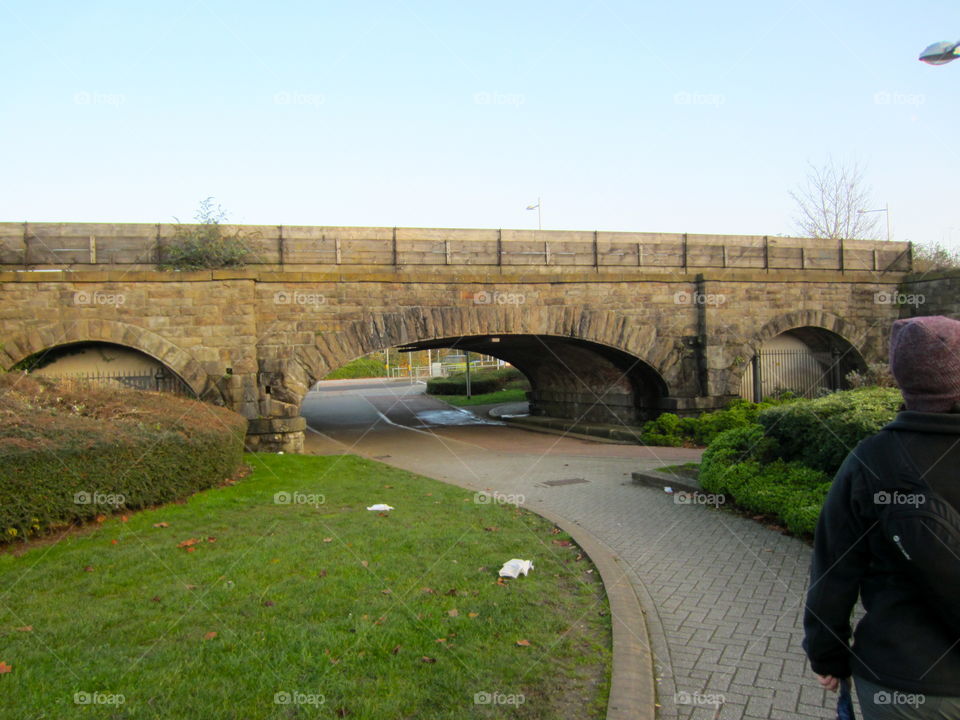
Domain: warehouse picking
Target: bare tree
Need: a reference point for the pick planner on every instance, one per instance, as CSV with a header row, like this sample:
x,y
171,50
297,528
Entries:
x,y
829,201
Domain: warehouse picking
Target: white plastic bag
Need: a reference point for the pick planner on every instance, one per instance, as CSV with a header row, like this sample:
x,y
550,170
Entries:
x,y
513,568
379,507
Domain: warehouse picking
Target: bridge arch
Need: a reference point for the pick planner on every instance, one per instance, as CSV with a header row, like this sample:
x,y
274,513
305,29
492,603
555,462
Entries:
x,y
819,331
47,337
609,357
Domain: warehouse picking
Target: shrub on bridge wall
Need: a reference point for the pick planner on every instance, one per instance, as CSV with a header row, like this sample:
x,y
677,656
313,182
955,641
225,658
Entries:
x,y
206,245
70,453
819,433
369,366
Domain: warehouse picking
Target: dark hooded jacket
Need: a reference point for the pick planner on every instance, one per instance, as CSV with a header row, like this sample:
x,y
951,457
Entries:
x,y
901,643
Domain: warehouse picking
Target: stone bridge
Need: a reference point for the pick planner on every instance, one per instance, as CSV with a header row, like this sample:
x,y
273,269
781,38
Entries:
x,y
608,327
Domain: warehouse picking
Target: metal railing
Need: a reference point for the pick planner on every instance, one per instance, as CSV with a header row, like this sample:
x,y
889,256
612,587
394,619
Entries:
x,y
160,381
804,372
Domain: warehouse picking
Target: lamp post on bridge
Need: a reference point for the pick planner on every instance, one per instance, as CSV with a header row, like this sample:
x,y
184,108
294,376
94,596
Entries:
x,y
884,209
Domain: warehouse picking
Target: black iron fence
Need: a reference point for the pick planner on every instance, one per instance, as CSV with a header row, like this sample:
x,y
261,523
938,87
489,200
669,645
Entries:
x,y
159,381
804,372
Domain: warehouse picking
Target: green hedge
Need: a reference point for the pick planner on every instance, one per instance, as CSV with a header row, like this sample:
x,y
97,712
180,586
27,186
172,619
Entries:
x,y
69,454
741,465
481,382
819,433
670,430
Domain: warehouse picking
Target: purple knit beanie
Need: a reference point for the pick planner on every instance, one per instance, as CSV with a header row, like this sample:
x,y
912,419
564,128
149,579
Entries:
x,y
925,360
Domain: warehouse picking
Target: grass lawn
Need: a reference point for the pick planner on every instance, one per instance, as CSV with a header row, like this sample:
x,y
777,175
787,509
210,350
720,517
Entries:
x,y
501,396
234,605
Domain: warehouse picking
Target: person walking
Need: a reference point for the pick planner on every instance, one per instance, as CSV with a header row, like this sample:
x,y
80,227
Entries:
x,y
889,533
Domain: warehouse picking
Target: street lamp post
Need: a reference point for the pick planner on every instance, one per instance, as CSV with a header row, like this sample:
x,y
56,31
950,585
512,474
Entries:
x,y
940,53
885,209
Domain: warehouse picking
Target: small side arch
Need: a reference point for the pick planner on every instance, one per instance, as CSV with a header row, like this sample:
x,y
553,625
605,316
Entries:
x,y
47,337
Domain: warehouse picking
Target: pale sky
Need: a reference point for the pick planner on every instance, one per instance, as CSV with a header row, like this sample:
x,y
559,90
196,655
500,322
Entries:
x,y
639,116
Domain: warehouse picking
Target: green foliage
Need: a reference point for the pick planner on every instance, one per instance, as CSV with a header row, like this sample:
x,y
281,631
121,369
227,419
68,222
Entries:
x,y
481,382
368,366
70,453
820,433
739,465
673,431
206,245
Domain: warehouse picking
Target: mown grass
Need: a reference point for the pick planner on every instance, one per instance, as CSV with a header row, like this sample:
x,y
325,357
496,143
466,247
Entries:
x,y
363,615
501,396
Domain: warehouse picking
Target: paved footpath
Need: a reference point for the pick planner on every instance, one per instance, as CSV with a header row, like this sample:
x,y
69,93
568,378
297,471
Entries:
x,y
723,593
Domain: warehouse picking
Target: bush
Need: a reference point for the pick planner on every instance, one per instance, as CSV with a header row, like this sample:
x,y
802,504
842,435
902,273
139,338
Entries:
x,y
739,465
671,430
206,246
70,453
481,382
820,433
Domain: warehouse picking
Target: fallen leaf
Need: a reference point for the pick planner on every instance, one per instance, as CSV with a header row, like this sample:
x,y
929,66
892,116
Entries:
x,y
161,524
114,541
4,668
389,487
453,612
211,539
328,539
210,635
323,572
187,543
579,557
429,591
268,603
342,712
555,531
472,615
452,592
501,581
88,568
364,563
334,661
191,549
395,650
441,640
101,518
492,528
25,628
425,659
190,587
124,518
388,591
562,543
155,598
523,643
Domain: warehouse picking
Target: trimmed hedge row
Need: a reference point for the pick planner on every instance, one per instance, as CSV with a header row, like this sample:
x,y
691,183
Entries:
x,y
782,463
481,382
741,464
70,453
671,430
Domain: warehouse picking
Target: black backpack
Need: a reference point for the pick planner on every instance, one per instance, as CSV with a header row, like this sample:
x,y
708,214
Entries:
x,y
923,530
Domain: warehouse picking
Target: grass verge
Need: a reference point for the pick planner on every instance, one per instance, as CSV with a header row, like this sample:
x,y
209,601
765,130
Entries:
x,y
501,396
282,596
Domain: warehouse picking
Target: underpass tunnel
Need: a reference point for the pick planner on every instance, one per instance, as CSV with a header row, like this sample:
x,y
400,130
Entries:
x,y
571,378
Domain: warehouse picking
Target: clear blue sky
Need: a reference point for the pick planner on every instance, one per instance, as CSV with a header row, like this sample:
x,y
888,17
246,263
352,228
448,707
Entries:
x,y
675,117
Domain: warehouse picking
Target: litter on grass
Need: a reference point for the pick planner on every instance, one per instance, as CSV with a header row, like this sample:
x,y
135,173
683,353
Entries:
x,y
513,568
380,507
668,490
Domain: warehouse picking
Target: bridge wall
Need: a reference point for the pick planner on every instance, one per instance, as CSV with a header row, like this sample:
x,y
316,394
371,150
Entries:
x,y
256,340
